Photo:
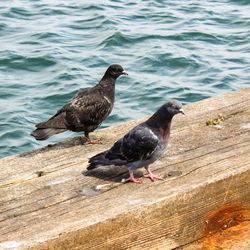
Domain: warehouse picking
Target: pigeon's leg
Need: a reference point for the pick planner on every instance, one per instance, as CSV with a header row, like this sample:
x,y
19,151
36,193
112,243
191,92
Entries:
x,y
132,178
152,176
88,139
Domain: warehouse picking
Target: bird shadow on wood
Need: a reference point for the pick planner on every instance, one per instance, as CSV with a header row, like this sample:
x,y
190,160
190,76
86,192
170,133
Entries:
x,y
111,173
76,141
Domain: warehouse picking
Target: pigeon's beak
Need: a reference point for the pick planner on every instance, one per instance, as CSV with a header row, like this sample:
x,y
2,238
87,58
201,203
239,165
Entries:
x,y
124,72
181,111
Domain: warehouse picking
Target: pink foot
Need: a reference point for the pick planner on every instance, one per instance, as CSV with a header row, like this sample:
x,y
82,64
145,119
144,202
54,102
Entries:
x,y
135,180
132,178
92,142
152,176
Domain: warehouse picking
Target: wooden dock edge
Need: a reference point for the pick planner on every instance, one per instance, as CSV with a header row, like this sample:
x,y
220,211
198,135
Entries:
x,y
202,203
181,220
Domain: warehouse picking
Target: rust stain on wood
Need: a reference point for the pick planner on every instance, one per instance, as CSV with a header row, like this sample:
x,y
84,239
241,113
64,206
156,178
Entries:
x,y
225,239
225,226
224,217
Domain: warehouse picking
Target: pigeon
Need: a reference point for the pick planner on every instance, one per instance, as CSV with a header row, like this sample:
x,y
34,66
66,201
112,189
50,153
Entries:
x,y
142,145
86,110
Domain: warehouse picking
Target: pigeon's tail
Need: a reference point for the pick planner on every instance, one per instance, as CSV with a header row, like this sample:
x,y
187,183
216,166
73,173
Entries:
x,y
45,133
98,161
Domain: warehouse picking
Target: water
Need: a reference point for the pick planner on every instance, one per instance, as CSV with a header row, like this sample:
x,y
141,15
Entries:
x,y
187,50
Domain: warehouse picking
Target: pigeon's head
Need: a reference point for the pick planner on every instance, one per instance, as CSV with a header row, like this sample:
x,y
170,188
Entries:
x,y
114,71
174,107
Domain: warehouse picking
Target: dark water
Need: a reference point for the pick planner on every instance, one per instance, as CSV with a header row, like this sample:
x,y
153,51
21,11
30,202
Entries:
x,y
187,50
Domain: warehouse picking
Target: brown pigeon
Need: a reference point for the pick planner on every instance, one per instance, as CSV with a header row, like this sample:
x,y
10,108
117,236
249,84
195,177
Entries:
x,y
86,110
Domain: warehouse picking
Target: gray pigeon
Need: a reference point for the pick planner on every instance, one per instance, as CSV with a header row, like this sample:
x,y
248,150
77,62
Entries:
x,y
142,145
86,110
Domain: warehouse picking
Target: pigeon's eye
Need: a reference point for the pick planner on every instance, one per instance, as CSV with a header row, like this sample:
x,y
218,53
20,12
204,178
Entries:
x,y
173,106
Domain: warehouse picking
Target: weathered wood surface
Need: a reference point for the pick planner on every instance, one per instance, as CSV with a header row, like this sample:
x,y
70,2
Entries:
x,y
47,203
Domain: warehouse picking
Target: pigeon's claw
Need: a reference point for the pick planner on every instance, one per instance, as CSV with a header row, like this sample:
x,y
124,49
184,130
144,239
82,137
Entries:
x,y
89,141
92,142
133,179
152,176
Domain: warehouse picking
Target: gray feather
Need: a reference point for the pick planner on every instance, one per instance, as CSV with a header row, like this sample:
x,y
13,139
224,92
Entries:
x,y
45,133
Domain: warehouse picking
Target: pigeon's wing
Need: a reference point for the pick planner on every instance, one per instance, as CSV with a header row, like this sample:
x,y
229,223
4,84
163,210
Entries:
x,y
86,108
58,121
138,144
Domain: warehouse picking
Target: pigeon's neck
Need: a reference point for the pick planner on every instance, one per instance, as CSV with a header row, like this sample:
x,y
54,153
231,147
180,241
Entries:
x,y
107,81
108,77
107,86
161,122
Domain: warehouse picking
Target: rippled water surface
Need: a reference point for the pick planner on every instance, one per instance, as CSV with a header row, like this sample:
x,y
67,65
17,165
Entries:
x,y
187,50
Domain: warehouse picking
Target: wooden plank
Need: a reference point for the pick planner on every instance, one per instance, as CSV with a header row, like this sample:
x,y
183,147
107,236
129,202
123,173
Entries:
x,y
205,168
